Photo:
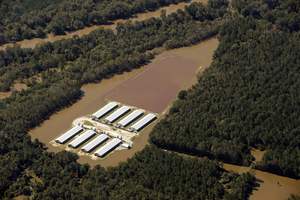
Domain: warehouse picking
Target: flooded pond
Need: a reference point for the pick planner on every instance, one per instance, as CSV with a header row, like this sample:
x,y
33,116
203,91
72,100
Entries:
x,y
152,87
31,43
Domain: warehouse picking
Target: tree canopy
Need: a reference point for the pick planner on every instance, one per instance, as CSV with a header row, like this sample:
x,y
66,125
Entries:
x,y
249,98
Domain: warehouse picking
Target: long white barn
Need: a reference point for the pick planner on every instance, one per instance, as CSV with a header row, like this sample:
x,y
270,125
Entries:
x,y
118,113
82,138
143,122
69,134
102,151
94,143
105,109
130,118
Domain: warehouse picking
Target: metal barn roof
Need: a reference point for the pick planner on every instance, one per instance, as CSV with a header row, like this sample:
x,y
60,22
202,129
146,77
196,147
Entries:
x,y
131,117
94,143
118,113
105,109
69,134
143,122
82,138
108,147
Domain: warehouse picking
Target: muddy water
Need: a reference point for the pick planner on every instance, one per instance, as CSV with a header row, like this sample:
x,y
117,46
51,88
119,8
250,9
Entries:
x,y
158,85
272,186
170,72
153,87
31,43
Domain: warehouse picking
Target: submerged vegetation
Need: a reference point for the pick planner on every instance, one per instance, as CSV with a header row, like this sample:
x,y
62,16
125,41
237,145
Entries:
x,y
33,18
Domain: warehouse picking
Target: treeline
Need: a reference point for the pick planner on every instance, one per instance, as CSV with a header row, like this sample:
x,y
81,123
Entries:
x,y
151,174
249,98
32,18
102,52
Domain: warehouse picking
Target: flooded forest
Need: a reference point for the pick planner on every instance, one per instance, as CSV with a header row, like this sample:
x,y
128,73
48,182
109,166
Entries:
x,y
222,75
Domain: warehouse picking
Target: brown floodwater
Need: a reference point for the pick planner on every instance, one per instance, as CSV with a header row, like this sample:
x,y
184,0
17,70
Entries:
x,y
152,87
31,43
156,87
271,187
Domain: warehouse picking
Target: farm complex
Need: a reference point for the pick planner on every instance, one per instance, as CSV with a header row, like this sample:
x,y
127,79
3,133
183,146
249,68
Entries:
x,y
112,127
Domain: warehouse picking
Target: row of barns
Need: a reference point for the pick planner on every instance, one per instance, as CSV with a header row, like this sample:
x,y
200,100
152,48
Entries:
x,y
98,139
113,111
133,120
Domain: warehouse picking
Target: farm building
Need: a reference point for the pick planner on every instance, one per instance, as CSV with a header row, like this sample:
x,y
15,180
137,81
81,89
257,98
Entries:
x,y
143,122
130,118
105,109
102,151
82,138
69,134
94,143
117,114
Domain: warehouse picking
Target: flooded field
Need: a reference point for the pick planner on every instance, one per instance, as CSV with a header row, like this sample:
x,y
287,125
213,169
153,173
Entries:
x,y
152,87
31,43
272,186
156,87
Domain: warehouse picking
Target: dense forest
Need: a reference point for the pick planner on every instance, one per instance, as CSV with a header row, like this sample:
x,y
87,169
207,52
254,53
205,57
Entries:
x,y
54,73
34,18
146,176
250,96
